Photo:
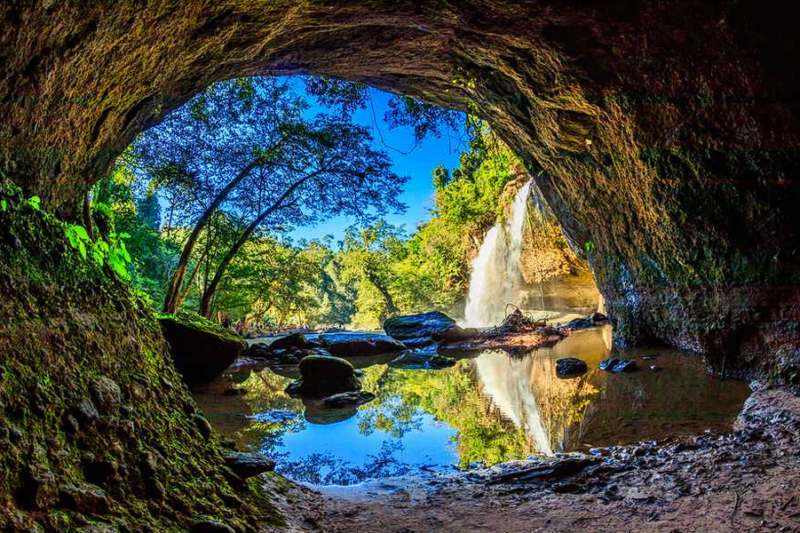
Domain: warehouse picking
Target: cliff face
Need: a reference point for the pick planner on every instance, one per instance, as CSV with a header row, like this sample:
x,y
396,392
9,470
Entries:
x,y
668,130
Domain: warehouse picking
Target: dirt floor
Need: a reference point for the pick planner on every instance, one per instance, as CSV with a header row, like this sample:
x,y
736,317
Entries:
x,y
745,481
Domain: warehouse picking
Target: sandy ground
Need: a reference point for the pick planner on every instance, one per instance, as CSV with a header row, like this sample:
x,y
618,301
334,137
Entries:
x,y
745,481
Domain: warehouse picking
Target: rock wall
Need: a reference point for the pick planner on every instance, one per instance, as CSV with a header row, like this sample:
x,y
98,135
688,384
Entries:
x,y
96,426
668,130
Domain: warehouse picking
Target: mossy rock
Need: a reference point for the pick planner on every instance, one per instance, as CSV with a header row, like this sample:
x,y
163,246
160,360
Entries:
x,y
201,349
416,326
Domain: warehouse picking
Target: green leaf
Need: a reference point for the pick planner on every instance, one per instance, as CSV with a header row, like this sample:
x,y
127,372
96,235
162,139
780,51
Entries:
x,y
82,249
81,232
34,202
3,205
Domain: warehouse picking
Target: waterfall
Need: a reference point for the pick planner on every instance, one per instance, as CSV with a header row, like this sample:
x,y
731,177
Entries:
x,y
495,271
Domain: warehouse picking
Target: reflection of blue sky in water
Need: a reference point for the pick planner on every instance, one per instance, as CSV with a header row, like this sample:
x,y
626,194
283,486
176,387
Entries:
x,y
345,452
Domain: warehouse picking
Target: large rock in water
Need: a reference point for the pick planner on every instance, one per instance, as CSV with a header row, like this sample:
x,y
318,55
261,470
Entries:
x,y
416,326
359,344
292,342
201,349
322,375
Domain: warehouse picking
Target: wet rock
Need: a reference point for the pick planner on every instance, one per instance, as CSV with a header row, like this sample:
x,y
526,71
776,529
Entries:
x,y
83,498
624,365
416,326
349,399
788,363
322,375
455,334
86,412
441,361
201,350
247,465
106,394
420,342
580,323
259,350
570,366
361,344
608,364
291,342
598,318
211,526
39,489
655,368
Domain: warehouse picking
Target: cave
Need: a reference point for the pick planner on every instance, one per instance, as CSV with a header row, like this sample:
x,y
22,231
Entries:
x,y
667,131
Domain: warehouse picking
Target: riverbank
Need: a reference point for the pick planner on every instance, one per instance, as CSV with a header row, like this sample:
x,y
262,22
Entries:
x,y
745,480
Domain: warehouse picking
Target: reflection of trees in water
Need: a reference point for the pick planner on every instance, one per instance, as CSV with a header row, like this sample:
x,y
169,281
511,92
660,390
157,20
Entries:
x,y
451,396
325,469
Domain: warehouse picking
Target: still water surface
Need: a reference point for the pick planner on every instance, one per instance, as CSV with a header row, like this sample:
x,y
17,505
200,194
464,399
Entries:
x,y
489,408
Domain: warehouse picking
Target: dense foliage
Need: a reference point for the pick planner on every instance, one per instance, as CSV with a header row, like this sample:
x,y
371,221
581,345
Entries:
x,y
207,175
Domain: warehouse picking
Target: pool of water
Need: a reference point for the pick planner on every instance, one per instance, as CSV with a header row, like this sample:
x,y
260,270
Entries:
x,y
489,408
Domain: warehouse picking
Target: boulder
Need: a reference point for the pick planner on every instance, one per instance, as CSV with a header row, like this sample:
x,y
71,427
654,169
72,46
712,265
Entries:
x,y
292,342
420,342
580,323
201,349
85,498
247,465
322,375
415,326
598,318
359,344
349,399
570,366
455,334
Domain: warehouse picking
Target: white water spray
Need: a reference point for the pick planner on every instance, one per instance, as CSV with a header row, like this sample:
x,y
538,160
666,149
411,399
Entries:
x,y
495,271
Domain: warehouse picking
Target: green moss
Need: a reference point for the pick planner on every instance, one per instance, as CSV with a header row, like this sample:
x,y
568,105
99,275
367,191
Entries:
x,y
64,322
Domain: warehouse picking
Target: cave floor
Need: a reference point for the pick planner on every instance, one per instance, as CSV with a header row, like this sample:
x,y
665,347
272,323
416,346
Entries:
x,y
748,480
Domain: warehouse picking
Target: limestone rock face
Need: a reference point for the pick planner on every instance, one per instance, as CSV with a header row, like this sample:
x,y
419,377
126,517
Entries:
x,y
668,130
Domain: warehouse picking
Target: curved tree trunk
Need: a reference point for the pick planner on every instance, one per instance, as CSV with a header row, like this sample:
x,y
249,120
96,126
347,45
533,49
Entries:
x,y
172,298
391,309
205,302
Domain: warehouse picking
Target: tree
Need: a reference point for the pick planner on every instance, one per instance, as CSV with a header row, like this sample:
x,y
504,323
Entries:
x,y
246,147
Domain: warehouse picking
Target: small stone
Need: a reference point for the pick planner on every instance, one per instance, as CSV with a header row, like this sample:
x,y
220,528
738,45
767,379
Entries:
x,y
203,426
655,368
247,465
149,465
624,365
126,410
608,364
211,526
570,366
106,394
86,411
349,399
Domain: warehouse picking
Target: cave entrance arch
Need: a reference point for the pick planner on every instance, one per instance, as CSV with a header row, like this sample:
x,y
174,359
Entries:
x,y
668,131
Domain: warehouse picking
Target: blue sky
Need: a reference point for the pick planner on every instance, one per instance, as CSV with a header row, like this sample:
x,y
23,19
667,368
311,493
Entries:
x,y
418,164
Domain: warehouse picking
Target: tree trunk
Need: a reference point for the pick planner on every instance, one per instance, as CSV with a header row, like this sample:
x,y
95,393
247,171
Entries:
x,y
205,303
173,292
87,215
390,307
